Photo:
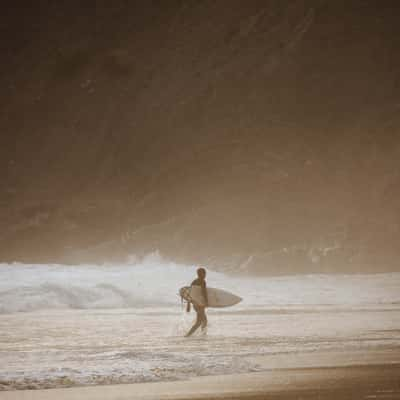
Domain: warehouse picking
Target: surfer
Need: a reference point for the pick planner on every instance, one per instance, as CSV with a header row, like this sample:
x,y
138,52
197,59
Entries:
x,y
201,319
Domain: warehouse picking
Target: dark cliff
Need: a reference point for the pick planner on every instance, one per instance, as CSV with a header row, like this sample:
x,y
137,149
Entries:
x,y
261,135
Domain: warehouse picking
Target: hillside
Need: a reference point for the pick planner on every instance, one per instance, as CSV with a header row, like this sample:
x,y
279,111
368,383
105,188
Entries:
x,y
257,135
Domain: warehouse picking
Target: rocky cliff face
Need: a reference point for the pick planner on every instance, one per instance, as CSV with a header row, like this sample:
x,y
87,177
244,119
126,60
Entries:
x,y
258,135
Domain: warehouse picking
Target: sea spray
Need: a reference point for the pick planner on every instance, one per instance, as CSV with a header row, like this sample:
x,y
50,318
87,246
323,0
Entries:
x,y
155,282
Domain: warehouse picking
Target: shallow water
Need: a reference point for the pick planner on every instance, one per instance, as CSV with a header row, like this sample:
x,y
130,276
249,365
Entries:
x,y
64,326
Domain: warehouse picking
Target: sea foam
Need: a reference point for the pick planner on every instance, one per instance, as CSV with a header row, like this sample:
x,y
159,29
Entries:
x,y
153,281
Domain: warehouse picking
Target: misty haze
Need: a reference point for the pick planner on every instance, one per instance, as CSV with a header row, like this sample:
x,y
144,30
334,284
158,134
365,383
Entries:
x,y
250,148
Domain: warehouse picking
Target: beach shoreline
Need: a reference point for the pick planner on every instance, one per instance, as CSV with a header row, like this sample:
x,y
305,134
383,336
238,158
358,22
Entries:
x,y
304,336
379,381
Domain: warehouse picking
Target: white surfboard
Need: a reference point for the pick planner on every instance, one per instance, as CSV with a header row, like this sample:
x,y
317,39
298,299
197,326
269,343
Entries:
x,y
216,297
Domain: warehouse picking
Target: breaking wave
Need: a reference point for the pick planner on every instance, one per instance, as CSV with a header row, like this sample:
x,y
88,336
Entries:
x,y
155,282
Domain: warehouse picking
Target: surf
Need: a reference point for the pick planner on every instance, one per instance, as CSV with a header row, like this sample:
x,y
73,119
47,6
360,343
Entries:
x,y
155,282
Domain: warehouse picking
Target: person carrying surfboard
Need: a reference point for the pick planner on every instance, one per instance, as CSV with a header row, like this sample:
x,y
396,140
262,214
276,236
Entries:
x,y
201,319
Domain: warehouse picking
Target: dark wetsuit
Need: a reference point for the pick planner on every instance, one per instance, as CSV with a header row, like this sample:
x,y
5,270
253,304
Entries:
x,y
201,319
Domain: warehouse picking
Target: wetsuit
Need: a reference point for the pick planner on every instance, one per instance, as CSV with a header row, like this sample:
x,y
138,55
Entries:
x,y
201,319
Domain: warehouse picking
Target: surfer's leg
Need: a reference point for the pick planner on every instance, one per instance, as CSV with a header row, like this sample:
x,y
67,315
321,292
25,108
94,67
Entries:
x,y
203,317
197,323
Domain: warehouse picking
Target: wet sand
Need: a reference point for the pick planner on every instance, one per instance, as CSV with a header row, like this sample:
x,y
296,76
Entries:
x,y
380,381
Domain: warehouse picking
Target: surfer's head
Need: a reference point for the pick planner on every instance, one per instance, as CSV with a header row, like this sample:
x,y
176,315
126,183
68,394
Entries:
x,y
201,273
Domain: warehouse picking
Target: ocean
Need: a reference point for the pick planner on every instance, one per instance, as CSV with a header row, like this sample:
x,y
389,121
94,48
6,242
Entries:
x,y
91,324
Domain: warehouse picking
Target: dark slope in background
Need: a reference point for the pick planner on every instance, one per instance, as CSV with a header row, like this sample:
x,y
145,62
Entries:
x,y
261,135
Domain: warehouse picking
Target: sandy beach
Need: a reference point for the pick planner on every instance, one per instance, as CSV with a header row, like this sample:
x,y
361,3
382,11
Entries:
x,y
351,382
373,374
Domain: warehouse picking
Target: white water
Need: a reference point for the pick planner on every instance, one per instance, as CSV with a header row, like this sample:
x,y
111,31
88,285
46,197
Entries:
x,y
66,325
154,282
